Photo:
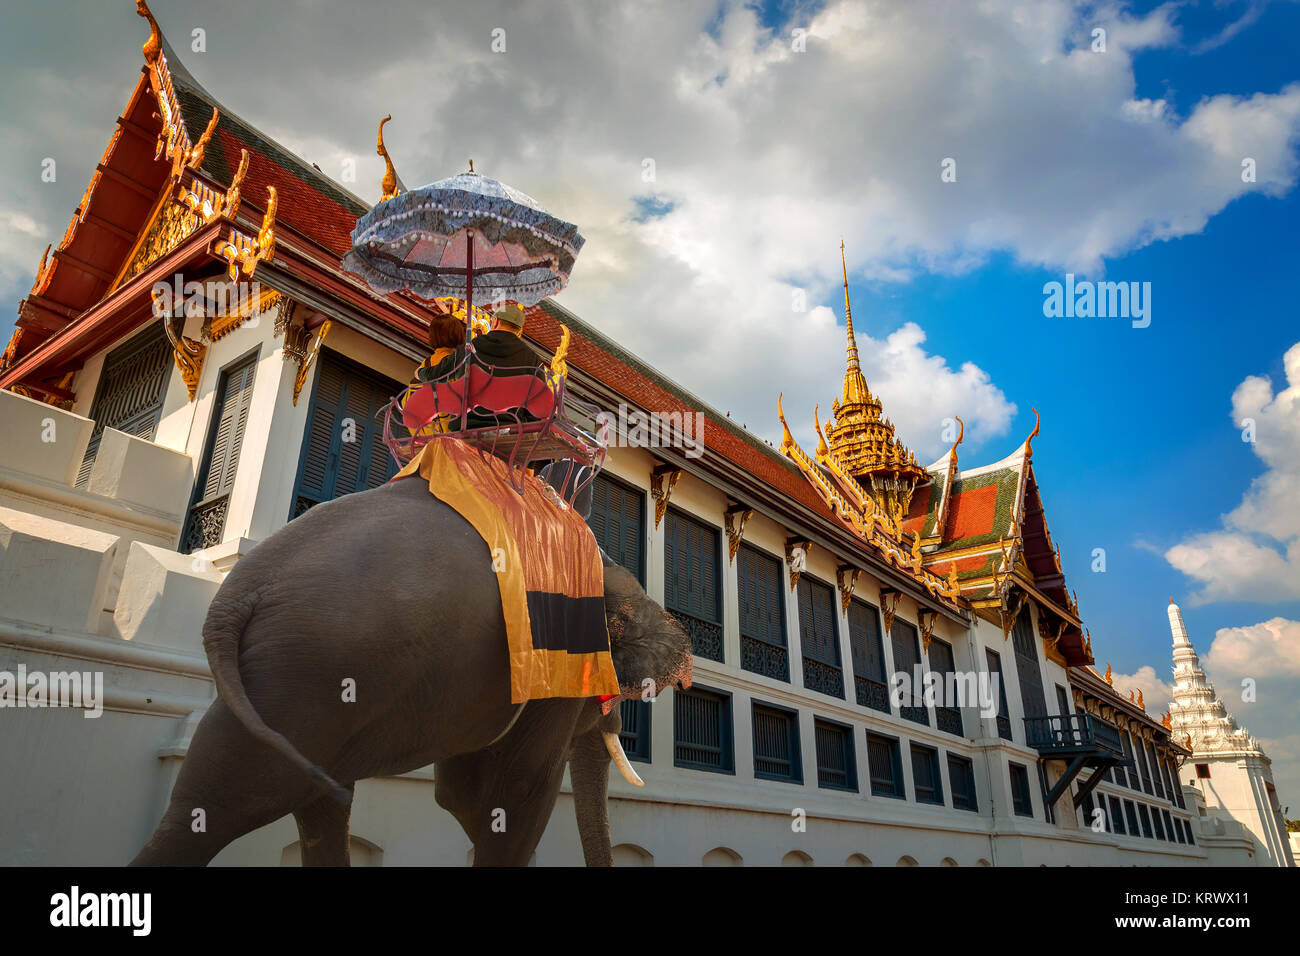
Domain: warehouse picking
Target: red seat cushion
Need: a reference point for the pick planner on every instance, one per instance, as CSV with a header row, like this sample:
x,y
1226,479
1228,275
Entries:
x,y
493,393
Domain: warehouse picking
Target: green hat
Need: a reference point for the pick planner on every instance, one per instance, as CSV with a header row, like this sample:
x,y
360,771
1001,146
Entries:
x,y
512,314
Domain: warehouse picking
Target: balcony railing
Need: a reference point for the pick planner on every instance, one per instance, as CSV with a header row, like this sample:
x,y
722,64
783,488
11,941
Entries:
x,y
823,678
1063,734
760,657
706,636
872,693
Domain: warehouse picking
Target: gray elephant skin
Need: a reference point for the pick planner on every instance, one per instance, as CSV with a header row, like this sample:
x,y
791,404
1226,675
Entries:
x,y
392,592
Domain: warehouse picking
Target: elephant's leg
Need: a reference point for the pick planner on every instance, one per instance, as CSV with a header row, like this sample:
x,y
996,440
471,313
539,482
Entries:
x,y
323,831
229,785
520,780
458,782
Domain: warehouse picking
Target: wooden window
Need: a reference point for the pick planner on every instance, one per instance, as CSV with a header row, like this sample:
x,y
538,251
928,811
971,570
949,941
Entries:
x,y
776,744
635,735
947,719
961,778
617,520
1021,801
702,736
343,446
762,614
818,640
885,764
925,774
1145,815
1062,701
907,657
1126,772
1158,823
836,766
1187,828
129,394
1130,815
1004,713
1140,758
1025,646
206,520
1116,820
692,586
1202,771
871,683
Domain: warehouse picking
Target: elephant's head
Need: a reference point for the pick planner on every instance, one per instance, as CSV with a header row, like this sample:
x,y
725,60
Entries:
x,y
651,652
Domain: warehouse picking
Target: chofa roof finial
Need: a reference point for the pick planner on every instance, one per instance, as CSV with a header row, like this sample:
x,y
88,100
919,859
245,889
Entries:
x,y
152,46
388,185
1029,450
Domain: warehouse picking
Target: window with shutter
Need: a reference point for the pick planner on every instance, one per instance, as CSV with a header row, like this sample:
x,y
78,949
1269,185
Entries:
x,y
206,522
925,774
776,744
885,766
343,446
961,777
1130,815
635,735
1116,818
836,768
762,614
702,738
130,392
868,653
1004,714
692,583
1021,801
818,639
1027,668
617,520
907,659
947,719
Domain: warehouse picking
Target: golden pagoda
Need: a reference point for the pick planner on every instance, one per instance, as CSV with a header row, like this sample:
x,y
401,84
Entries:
x,y
862,442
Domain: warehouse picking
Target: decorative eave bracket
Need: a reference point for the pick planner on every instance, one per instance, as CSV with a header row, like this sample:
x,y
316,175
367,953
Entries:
x,y
925,617
737,516
663,478
796,557
301,345
889,598
846,576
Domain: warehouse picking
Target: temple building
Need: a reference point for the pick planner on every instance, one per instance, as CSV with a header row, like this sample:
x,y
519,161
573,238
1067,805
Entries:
x,y
144,451
1229,769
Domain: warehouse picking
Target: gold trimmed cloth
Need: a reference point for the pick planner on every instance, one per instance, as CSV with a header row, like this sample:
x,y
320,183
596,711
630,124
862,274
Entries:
x,y
548,566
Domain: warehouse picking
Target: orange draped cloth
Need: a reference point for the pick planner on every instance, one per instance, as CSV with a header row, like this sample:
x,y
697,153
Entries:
x,y
548,566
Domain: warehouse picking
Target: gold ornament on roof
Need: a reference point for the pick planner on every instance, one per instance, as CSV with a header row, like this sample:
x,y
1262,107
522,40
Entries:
x,y
861,441
1141,702
1109,680
152,46
388,185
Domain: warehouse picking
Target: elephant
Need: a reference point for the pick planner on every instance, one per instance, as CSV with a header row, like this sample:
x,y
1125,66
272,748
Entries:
x,y
391,592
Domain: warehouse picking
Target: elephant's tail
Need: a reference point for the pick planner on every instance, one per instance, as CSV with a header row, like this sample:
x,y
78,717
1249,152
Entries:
x,y
221,635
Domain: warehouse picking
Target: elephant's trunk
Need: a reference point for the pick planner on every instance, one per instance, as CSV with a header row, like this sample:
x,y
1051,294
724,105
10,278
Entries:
x,y
589,773
616,754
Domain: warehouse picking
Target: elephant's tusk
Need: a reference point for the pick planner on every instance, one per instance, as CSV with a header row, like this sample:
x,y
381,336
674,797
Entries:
x,y
620,760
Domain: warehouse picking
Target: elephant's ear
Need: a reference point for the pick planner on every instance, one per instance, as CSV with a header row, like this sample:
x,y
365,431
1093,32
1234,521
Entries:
x,y
646,642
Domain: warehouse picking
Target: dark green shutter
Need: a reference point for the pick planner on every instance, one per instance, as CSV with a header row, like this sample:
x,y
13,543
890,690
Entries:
x,y
761,614
329,466
130,392
618,521
205,523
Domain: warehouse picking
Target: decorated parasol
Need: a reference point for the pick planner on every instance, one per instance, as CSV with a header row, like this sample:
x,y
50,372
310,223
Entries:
x,y
460,233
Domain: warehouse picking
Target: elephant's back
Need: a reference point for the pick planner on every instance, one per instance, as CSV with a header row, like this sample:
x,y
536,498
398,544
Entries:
x,y
387,592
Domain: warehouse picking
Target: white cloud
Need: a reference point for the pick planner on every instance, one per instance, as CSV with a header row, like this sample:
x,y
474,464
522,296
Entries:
x,y
1156,693
765,155
1256,555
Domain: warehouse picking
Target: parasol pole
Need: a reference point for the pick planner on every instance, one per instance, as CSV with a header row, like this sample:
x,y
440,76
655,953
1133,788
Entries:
x,y
469,286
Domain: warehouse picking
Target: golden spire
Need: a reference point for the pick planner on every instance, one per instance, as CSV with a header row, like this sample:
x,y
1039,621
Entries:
x,y
862,441
855,386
